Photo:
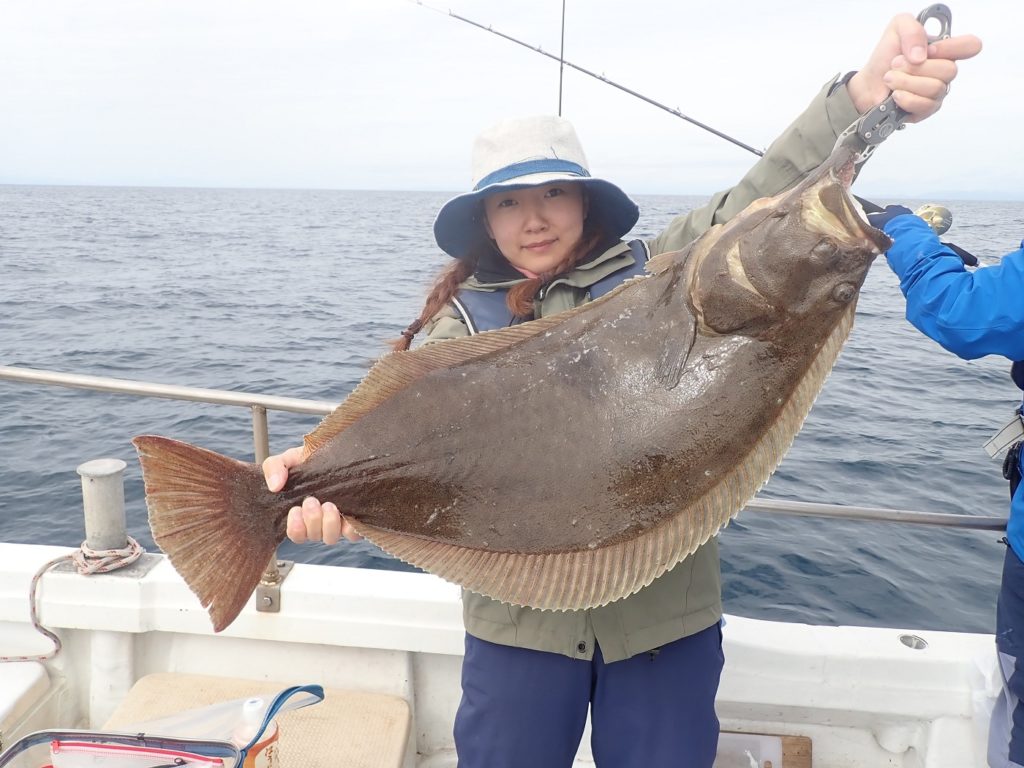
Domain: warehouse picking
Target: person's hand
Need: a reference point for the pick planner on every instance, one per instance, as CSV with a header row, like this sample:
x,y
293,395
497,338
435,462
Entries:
x,y
879,219
918,73
312,521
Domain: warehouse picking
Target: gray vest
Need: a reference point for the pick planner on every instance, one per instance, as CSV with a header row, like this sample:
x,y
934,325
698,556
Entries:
x,y
488,310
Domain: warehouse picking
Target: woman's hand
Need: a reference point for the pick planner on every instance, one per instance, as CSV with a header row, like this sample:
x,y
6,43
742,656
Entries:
x,y
916,72
312,521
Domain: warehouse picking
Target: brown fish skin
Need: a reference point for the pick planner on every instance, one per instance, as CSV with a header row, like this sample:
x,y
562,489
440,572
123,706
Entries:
x,y
569,461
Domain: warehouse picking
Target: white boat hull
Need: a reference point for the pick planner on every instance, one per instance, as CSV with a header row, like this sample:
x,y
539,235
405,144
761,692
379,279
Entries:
x,y
862,695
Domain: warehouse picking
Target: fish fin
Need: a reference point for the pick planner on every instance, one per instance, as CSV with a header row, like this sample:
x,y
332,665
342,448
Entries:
x,y
658,264
205,514
595,577
397,370
665,260
561,581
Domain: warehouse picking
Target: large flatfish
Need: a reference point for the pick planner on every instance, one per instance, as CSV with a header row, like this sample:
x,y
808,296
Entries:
x,y
569,461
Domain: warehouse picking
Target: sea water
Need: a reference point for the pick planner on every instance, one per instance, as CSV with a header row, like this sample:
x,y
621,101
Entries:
x,y
295,293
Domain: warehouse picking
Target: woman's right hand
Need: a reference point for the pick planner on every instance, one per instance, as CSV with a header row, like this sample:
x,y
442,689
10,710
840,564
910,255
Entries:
x,y
312,521
918,73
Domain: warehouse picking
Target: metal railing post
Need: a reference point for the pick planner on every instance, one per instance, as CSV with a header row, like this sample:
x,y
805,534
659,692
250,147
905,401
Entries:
x,y
260,433
268,593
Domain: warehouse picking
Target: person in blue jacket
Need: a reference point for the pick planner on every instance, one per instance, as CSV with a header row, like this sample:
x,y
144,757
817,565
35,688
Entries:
x,y
972,314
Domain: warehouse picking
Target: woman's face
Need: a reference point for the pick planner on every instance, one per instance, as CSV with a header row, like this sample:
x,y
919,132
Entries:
x,y
536,228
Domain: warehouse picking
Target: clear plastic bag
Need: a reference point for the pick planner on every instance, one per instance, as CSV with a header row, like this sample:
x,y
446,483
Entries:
x,y
242,721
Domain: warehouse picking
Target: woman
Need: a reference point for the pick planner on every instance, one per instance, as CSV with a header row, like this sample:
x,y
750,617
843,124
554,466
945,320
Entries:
x,y
538,234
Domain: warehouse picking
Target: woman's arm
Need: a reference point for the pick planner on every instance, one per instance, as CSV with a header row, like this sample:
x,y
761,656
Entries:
x,y
903,63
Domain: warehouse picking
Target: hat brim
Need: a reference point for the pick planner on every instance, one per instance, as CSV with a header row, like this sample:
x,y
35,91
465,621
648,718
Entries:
x,y
459,226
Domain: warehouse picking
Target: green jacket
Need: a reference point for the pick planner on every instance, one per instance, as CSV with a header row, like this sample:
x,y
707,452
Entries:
x,y
688,598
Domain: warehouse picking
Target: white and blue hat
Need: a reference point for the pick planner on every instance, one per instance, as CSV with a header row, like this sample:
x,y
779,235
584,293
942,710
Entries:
x,y
527,152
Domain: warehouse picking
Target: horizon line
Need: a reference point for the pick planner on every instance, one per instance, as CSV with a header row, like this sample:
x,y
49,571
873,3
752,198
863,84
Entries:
x,y
980,197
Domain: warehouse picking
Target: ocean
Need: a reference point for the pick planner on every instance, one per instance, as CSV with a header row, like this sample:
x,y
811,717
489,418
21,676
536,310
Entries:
x,y
295,293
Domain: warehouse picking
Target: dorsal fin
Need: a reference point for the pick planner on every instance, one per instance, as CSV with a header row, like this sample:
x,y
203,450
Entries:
x,y
658,264
397,370
694,249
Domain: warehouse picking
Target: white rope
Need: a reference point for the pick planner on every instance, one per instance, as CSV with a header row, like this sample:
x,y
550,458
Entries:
x,y
87,561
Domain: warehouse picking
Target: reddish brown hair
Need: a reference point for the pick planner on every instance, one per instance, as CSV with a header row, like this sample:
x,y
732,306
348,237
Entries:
x,y
520,296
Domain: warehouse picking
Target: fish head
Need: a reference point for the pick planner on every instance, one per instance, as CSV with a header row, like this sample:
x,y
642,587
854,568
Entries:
x,y
803,253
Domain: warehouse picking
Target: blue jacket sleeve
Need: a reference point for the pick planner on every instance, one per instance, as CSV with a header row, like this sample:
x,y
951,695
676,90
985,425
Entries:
x,y
971,314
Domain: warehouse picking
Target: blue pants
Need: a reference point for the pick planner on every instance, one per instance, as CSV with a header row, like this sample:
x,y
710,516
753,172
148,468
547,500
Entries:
x,y
527,709
1006,732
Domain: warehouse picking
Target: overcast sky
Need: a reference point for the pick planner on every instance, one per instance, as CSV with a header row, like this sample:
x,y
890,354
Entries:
x,y
383,94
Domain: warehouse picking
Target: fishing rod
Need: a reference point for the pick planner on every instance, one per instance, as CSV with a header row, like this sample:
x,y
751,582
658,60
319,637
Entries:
x,y
561,61
602,78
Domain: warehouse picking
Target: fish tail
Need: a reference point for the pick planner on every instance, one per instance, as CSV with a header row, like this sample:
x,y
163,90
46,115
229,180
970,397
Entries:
x,y
214,518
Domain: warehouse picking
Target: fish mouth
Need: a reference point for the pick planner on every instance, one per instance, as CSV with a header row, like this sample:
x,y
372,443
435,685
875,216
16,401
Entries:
x,y
861,214
842,176
831,209
845,171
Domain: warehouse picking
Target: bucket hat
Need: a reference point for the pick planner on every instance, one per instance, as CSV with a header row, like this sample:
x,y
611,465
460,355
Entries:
x,y
527,152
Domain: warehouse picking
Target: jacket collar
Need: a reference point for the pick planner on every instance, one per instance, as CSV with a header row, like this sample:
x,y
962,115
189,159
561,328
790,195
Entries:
x,y
494,271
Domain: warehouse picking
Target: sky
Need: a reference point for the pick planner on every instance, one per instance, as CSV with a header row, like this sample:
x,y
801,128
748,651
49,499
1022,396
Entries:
x,y
388,94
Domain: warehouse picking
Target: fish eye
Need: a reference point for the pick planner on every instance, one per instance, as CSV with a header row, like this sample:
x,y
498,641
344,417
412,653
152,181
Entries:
x,y
844,292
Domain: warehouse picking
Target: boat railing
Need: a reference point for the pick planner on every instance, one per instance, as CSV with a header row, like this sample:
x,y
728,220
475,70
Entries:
x,y
259,404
